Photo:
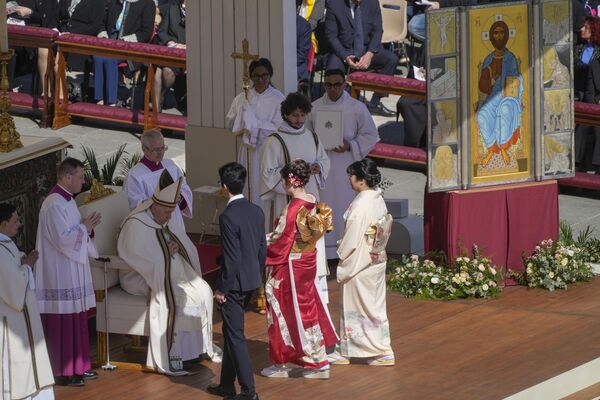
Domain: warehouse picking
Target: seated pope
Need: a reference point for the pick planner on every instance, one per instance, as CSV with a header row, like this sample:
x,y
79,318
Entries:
x,y
166,268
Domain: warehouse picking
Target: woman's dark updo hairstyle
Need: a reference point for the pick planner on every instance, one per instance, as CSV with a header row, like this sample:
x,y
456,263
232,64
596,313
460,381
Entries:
x,y
296,173
261,62
295,101
365,169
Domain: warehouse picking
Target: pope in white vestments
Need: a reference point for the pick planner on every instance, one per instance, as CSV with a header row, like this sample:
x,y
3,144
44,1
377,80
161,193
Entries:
x,y
143,178
359,136
294,141
165,262
27,373
255,117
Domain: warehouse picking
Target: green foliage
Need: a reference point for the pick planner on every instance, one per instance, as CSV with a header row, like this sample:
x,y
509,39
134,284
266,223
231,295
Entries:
x,y
429,279
555,265
107,174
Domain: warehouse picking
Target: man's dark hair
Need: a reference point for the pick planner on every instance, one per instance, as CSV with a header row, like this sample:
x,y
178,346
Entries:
x,y
6,211
295,101
335,71
261,62
233,175
69,166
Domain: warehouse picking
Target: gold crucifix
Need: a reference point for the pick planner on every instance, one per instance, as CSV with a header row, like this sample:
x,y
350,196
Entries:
x,y
245,56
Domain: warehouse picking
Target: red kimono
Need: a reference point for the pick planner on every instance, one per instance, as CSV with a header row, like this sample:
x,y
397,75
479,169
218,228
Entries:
x,y
299,326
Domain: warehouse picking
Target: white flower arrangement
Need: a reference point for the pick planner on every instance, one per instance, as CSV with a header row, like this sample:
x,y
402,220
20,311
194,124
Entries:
x,y
555,265
426,279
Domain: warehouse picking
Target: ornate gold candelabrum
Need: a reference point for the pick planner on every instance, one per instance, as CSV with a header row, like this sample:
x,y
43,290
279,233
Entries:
x,y
9,137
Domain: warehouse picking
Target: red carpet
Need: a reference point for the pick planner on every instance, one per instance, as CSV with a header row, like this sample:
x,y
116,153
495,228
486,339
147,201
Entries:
x,y
208,257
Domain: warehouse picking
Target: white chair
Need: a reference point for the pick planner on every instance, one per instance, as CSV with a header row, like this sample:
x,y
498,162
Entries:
x,y
127,314
395,24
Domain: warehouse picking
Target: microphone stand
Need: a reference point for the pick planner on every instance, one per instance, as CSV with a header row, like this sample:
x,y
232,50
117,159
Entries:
x,y
107,366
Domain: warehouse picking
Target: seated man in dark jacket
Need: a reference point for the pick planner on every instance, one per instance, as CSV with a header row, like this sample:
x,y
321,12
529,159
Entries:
x,y
353,29
171,33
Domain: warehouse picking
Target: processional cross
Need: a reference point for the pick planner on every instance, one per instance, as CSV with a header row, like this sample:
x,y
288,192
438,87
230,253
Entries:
x,y
245,56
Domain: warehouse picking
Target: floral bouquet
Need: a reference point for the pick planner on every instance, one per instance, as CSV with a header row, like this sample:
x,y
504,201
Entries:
x,y
423,278
554,265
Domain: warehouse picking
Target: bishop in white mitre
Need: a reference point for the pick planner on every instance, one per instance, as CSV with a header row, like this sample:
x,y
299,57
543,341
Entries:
x,y
294,141
165,262
26,373
143,178
359,136
255,118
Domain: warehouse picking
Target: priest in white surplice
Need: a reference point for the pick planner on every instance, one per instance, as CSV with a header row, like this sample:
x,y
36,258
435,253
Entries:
x,y
359,137
165,261
294,141
27,373
63,278
255,118
143,178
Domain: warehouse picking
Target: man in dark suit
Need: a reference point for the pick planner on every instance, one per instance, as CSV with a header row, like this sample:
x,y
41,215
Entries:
x,y
244,253
353,29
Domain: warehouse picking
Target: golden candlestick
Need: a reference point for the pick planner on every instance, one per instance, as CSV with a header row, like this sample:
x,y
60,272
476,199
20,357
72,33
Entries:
x,y
245,56
9,137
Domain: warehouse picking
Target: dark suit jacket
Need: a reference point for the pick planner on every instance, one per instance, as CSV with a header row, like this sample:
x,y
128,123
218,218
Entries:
x,y
244,247
44,13
339,26
139,20
85,19
172,26
303,45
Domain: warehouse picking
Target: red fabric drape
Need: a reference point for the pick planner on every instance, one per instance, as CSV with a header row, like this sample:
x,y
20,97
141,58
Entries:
x,y
504,221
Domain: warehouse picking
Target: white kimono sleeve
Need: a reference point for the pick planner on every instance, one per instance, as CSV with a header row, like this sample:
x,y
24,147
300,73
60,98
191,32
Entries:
x,y
71,241
349,247
366,134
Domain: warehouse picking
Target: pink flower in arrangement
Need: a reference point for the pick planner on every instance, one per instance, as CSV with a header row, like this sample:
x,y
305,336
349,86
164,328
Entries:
x,y
294,180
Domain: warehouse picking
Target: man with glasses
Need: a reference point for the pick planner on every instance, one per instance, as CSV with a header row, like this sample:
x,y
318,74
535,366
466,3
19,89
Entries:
x,y
142,179
359,137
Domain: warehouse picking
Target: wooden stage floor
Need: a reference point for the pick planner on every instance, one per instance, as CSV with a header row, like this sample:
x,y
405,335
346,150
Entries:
x,y
477,349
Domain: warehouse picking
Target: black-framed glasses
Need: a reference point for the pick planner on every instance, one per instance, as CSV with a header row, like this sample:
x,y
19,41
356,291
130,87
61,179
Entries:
x,y
337,85
266,75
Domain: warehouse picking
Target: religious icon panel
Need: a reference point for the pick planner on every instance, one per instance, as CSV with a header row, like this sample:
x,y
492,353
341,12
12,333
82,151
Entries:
x,y
500,95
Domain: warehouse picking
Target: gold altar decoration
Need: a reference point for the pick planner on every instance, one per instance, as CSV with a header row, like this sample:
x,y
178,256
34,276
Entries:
x,y
245,56
9,137
97,191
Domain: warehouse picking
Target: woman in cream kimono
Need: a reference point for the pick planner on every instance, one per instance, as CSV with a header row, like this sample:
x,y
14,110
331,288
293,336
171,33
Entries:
x,y
26,372
364,327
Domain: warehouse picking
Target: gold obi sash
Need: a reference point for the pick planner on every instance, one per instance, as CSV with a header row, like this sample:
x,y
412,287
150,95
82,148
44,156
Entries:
x,y
311,227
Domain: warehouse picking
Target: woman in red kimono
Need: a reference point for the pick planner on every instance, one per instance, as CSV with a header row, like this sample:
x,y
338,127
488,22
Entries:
x,y
299,326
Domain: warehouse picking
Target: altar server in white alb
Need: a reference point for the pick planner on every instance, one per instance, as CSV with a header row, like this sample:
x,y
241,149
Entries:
x,y
358,134
27,373
165,262
364,326
255,117
294,141
142,179
63,278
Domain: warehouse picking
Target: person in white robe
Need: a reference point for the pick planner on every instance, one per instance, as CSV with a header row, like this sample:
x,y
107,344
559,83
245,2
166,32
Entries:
x,y
165,262
253,117
143,178
27,373
359,136
294,141
63,278
364,326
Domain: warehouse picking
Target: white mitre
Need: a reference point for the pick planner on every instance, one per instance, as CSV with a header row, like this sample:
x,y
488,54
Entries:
x,y
167,197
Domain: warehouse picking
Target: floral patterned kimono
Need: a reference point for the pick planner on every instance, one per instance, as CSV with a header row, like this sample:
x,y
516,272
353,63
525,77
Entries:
x,y
299,326
364,327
